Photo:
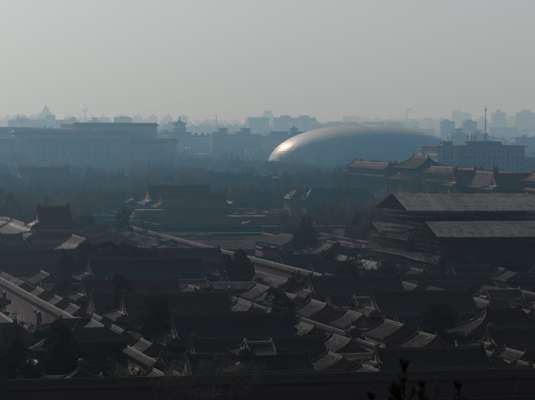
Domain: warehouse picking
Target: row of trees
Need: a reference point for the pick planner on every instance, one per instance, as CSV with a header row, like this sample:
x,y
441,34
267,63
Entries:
x,y
404,389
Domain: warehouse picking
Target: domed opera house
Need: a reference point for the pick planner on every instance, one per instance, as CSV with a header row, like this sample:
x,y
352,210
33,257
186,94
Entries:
x,y
337,146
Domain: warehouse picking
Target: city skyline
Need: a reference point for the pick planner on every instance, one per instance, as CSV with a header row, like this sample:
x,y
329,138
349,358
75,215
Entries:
x,y
350,58
507,117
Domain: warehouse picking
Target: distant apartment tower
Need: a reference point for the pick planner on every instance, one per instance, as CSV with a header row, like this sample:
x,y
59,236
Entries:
x,y
447,127
499,128
525,122
258,125
179,127
459,116
305,123
486,154
498,119
302,123
469,126
283,123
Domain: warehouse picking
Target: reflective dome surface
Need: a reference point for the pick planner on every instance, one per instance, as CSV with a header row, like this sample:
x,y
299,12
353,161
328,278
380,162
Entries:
x,y
336,146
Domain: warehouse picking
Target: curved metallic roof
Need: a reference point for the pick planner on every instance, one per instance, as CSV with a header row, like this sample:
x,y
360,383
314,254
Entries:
x,y
342,144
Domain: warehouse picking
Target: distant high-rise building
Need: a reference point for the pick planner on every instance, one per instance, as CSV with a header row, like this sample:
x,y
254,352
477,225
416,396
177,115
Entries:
x,y
258,125
283,123
303,123
46,115
447,126
525,122
499,127
459,116
268,115
469,126
498,119
179,127
306,122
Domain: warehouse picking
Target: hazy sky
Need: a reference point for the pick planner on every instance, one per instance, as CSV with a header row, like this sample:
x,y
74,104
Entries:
x,y
328,58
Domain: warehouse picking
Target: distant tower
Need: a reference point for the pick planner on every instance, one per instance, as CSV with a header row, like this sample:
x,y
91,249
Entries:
x,y
447,127
486,136
179,126
84,109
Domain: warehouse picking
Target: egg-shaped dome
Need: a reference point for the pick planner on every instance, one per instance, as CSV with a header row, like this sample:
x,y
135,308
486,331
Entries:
x,y
336,146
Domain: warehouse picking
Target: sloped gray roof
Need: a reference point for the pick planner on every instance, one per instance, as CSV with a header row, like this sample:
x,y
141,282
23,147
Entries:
x,y
440,171
71,243
38,277
383,331
372,165
461,202
327,361
482,229
414,162
337,342
510,355
312,307
303,328
346,320
11,226
254,293
272,280
242,305
420,339
468,327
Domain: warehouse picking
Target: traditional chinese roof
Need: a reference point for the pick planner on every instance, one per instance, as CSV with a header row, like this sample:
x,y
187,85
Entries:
x,y
482,229
460,202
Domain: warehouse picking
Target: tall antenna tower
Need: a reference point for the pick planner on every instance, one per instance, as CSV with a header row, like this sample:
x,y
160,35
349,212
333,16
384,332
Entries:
x,y
84,109
485,125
